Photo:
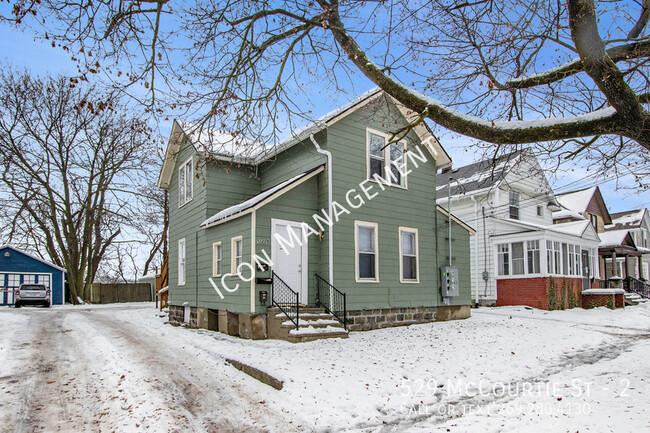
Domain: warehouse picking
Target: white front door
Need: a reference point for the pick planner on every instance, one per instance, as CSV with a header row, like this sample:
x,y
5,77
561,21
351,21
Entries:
x,y
289,255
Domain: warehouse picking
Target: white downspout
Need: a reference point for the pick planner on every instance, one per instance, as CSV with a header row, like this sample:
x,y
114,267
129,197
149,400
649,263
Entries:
x,y
476,225
330,230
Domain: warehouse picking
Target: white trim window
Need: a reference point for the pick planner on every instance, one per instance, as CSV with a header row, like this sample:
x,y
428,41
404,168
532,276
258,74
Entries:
x,y
236,253
540,211
518,262
550,268
557,253
380,156
532,252
217,259
578,261
181,262
572,260
366,252
504,259
409,269
513,202
185,183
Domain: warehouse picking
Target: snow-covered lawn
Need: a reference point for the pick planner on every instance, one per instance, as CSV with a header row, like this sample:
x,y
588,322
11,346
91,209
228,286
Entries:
x,y
504,369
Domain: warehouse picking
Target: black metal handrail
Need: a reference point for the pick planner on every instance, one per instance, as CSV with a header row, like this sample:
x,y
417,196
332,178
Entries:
x,y
331,299
631,284
285,299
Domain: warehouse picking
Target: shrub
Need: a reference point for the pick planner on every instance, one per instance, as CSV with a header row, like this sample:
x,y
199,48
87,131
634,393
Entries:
x,y
551,294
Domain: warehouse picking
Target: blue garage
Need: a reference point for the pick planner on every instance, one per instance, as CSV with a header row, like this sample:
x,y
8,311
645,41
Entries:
x,y
18,267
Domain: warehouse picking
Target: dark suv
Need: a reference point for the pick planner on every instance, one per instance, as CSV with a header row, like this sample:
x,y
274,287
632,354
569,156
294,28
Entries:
x,y
32,294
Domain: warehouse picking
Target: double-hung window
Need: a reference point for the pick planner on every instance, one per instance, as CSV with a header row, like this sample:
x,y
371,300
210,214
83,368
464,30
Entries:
x,y
532,248
558,257
236,253
549,257
365,241
408,255
504,259
181,262
572,258
217,259
185,178
382,157
513,200
518,258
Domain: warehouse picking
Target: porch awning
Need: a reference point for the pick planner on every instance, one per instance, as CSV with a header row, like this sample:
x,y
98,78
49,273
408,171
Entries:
x,y
260,199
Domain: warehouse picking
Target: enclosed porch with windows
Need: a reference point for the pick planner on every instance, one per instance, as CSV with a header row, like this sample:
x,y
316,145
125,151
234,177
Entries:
x,y
548,268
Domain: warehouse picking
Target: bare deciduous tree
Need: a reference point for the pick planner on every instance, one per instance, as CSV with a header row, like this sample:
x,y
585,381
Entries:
x,y
572,75
73,163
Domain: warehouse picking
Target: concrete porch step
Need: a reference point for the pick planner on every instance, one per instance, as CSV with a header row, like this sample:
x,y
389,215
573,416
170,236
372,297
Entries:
x,y
309,333
314,324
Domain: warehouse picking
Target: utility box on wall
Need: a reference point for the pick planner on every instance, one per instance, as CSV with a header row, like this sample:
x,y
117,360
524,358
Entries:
x,y
449,281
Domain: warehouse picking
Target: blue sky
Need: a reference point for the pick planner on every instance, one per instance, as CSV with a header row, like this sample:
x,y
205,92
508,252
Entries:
x,y
20,50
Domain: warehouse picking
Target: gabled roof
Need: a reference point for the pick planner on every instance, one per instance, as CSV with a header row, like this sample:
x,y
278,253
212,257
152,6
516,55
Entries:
x,y
582,229
31,256
457,220
482,175
616,238
577,202
630,219
260,199
224,146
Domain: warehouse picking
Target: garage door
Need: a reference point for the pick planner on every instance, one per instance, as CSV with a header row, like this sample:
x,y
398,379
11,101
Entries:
x,y
11,282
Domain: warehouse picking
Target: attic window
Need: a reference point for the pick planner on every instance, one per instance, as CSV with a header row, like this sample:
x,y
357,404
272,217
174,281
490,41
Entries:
x,y
594,220
381,156
185,177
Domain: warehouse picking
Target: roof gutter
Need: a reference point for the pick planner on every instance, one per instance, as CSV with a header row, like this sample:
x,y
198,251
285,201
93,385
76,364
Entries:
x,y
330,230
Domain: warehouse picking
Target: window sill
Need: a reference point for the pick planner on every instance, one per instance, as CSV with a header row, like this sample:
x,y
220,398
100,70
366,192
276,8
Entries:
x,y
409,281
187,202
366,280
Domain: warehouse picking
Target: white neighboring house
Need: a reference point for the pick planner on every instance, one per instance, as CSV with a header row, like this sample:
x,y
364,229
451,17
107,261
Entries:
x,y
517,248
637,224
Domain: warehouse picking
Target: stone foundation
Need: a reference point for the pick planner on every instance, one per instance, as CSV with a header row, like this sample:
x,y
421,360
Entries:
x,y
365,320
255,326
177,316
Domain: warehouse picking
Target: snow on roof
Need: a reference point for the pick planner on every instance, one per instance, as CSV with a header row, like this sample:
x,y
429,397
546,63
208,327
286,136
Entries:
x,y
2,247
567,213
477,176
626,220
247,204
612,238
577,201
573,228
222,144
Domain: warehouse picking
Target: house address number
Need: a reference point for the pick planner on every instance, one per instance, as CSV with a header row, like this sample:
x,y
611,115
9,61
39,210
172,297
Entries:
x,y
264,241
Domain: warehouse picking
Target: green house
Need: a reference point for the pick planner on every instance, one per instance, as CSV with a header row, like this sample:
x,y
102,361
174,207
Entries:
x,y
334,228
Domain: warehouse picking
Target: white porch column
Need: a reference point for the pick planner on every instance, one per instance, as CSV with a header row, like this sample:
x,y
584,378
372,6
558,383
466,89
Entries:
x,y
639,264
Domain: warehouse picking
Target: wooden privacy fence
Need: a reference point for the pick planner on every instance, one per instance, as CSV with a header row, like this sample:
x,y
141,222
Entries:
x,y
113,293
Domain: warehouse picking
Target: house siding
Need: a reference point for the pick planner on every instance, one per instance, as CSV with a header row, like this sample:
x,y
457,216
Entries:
x,y
394,207
221,185
184,222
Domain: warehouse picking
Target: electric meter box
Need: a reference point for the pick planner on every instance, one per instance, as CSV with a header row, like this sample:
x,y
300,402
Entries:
x,y
449,281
